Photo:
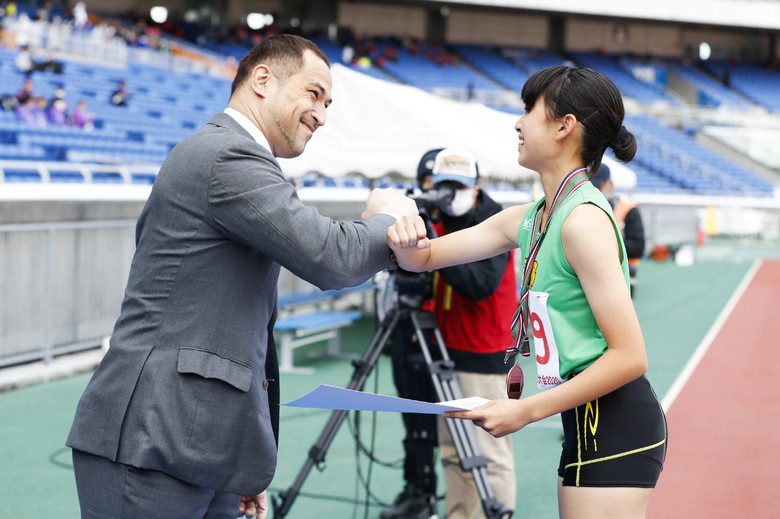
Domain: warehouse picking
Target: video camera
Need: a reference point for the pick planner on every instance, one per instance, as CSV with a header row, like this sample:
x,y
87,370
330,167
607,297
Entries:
x,y
435,198
414,288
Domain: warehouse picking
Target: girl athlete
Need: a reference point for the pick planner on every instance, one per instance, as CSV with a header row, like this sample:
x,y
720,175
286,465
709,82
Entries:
x,y
576,307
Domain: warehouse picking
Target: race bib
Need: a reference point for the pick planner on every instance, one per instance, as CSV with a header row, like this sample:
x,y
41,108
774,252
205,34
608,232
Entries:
x,y
541,334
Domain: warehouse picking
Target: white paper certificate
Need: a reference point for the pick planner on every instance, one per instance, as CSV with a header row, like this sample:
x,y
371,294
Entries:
x,y
331,397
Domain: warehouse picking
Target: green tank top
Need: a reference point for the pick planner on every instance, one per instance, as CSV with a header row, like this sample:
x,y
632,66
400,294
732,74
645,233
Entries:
x,y
561,326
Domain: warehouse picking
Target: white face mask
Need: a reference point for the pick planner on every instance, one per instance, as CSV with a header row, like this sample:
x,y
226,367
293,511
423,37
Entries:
x,y
461,203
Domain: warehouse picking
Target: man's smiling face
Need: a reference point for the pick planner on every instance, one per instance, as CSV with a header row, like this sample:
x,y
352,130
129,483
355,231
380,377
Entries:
x,y
298,106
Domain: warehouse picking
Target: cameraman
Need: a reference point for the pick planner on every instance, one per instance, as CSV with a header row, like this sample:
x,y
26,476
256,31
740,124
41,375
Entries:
x,y
474,304
412,380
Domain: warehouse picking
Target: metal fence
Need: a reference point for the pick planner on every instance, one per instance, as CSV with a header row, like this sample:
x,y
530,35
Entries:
x,y
61,286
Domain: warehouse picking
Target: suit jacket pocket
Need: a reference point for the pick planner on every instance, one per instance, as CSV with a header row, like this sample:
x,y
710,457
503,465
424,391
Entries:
x,y
210,365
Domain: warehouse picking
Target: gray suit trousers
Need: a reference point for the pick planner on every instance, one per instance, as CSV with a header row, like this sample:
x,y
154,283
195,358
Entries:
x,y
109,490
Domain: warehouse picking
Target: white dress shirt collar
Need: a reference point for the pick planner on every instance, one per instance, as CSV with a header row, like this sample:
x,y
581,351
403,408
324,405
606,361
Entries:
x,y
249,126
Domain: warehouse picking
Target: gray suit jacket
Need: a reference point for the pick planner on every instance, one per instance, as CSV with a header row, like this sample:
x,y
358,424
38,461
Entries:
x,y
189,385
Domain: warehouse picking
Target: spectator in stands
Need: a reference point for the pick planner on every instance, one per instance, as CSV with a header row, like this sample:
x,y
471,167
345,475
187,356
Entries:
x,y
414,47
11,10
726,77
628,218
59,94
391,54
33,111
470,90
80,16
26,91
25,31
83,117
576,306
12,102
364,62
187,395
42,12
41,118
49,65
57,112
56,108
9,103
26,112
24,61
348,54
120,95
473,302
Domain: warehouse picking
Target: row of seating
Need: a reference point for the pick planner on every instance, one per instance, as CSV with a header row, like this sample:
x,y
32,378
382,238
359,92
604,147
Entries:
x,y
757,82
509,67
166,107
668,163
76,172
677,157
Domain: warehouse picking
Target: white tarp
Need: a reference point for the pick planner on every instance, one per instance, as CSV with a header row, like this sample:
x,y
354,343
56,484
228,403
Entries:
x,y
377,127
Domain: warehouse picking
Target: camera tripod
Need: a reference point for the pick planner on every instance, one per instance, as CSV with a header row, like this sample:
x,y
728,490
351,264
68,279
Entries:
x,y
446,385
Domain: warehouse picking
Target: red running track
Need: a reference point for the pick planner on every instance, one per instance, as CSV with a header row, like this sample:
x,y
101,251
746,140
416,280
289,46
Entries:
x,y
724,426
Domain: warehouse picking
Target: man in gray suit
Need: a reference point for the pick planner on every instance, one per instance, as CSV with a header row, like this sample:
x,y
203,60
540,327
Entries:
x,y
181,417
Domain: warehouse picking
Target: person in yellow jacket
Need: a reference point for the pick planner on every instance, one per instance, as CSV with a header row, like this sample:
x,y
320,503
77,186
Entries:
x,y
628,218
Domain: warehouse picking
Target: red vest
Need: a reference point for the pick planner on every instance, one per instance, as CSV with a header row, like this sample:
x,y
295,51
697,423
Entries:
x,y
477,326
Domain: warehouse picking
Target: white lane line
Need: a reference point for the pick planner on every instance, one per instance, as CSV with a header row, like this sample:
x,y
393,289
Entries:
x,y
706,342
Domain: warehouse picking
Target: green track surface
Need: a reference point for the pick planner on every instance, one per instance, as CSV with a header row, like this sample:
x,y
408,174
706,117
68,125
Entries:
x,y
676,307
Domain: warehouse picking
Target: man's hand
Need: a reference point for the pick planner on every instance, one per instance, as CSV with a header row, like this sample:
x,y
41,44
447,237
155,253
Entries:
x,y
389,201
254,506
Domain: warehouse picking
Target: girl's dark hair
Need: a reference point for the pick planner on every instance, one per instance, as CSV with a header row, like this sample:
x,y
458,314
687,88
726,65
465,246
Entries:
x,y
283,53
593,99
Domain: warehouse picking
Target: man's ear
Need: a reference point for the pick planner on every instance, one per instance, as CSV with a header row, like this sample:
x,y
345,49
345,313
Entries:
x,y
260,79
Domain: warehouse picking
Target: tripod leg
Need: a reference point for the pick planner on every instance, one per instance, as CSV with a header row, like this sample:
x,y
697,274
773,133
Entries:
x,y
283,502
462,431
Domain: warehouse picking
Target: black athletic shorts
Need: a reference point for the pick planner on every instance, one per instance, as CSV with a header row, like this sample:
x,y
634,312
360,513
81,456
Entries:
x,y
618,440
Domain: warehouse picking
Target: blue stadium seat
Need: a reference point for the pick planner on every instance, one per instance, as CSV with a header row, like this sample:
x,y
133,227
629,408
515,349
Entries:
x,y
22,175
107,177
68,176
676,157
492,63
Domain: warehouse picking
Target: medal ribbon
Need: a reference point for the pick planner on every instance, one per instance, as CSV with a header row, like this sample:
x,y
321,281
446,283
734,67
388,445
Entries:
x,y
571,183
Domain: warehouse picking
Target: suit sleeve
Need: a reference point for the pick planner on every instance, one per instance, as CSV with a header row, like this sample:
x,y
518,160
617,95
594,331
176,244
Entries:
x,y
251,202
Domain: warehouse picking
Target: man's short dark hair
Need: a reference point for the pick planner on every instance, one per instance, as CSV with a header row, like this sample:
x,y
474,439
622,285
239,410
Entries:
x,y
283,53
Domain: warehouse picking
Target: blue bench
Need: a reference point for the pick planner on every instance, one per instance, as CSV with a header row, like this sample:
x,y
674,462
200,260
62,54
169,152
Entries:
x,y
293,299
299,330
296,329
